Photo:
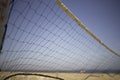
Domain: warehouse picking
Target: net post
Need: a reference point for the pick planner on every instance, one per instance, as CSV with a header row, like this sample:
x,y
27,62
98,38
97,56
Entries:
x,y
4,5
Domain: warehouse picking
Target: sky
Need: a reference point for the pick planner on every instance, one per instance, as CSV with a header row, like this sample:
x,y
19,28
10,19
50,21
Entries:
x,y
102,17
42,37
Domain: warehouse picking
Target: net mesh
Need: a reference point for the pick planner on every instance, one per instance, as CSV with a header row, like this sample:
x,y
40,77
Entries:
x,y
41,37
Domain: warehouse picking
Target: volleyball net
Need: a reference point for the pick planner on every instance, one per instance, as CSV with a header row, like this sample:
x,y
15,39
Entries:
x,y
40,36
